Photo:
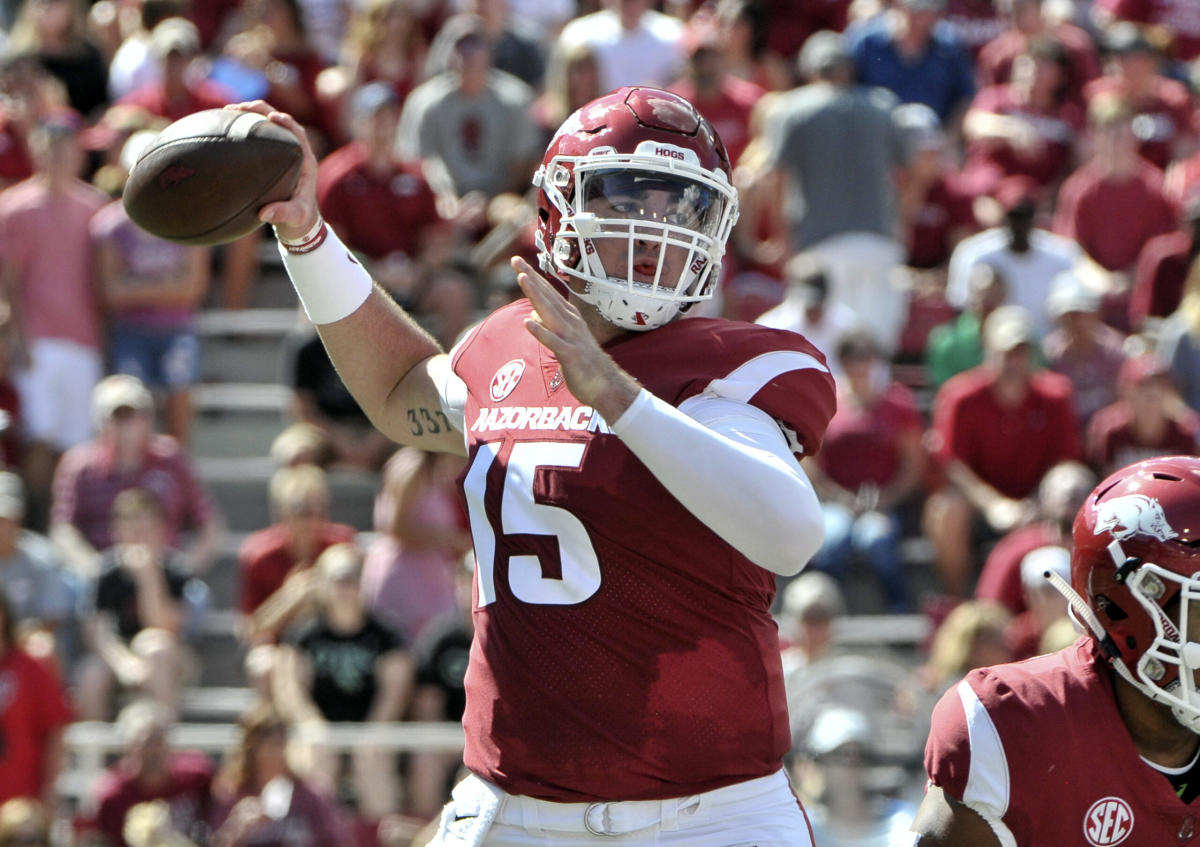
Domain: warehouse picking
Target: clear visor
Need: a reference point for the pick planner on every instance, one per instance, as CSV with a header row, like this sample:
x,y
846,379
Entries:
x,y
656,198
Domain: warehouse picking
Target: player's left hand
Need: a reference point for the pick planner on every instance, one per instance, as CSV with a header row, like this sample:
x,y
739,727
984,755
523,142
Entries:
x,y
591,374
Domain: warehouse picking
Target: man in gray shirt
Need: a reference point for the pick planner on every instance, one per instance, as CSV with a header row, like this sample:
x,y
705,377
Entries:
x,y
470,126
833,150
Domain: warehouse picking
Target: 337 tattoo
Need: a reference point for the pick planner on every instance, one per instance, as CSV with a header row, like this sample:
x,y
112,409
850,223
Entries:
x,y
427,421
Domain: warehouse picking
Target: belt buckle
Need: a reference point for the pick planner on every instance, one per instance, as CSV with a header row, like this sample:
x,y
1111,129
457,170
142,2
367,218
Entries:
x,y
602,811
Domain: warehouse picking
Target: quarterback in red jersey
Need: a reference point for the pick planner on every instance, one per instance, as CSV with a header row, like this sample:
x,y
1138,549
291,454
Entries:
x,y
1099,743
632,486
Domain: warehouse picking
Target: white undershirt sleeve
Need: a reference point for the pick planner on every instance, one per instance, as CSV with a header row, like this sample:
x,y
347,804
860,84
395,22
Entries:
x,y
730,465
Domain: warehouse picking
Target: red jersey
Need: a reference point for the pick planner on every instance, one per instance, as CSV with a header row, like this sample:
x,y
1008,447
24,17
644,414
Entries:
x,y
264,560
87,482
989,161
996,59
1160,119
1112,442
1179,18
187,791
204,95
33,706
1040,745
1010,448
728,110
623,651
863,444
375,214
944,209
1162,268
1112,220
1000,578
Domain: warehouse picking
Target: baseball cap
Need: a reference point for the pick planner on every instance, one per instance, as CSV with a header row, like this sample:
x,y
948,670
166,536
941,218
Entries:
x,y
1125,38
919,128
1008,327
813,594
372,97
12,496
1068,293
835,727
824,51
175,35
1138,369
117,392
1051,558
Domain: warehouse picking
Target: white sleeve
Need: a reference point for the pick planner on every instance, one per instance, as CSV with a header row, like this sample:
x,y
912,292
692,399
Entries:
x,y
731,465
452,391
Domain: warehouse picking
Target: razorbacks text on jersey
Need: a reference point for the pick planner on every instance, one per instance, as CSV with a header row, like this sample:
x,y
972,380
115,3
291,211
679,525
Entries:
x,y
623,650
1039,749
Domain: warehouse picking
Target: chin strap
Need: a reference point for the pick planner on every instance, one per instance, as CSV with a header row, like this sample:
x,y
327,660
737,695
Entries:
x,y
1083,614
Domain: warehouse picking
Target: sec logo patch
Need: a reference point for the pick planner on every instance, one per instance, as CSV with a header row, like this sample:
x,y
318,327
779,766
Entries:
x,y
506,379
1109,821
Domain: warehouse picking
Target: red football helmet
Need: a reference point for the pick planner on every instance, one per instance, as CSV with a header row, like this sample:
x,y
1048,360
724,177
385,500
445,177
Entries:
x,y
1136,566
635,202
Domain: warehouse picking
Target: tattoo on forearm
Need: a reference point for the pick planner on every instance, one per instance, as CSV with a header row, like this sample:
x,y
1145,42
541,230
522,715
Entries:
x,y
427,421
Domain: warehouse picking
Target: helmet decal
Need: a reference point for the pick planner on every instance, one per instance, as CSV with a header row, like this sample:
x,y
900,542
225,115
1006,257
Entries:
x,y
1133,514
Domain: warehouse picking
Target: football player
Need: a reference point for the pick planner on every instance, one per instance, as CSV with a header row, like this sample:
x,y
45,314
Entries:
x,y
632,486
1097,743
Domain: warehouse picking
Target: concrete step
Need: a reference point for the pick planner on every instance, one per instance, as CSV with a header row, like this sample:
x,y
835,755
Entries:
x,y
237,419
245,346
239,486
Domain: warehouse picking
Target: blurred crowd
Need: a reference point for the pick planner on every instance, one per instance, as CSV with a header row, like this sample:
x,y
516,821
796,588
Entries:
x,y
986,213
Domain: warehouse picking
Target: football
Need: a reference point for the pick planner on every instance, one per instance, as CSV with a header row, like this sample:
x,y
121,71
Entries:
x,y
204,178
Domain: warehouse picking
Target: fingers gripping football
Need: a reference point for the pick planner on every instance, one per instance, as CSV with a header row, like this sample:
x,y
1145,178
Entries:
x,y
298,214
591,374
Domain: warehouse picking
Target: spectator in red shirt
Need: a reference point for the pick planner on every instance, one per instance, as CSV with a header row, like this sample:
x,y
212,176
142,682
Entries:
x,y
1114,203
150,770
1027,631
274,564
1162,268
261,801
1059,496
1163,109
996,430
723,98
34,712
935,213
127,453
1026,127
1175,23
755,38
176,43
1028,22
869,464
1147,420
1081,347
381,208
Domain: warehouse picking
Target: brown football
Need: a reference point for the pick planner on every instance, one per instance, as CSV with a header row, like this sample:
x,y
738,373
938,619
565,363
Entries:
x,y
205,177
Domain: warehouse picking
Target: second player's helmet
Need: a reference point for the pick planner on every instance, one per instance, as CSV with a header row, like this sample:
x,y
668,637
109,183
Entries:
x,y
1136,564
635,202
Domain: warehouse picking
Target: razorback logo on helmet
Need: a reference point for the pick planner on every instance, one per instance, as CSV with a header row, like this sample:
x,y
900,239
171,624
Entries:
x,y
505,380
1108,822
1133,514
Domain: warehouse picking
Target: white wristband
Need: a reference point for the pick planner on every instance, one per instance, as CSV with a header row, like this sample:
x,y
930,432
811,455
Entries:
x,y
329,280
